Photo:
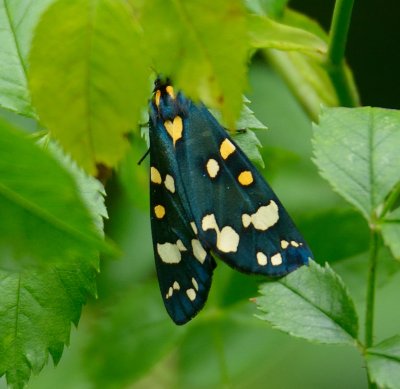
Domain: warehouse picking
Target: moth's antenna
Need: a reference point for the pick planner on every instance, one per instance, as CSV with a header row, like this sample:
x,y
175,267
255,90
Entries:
x,y
144,156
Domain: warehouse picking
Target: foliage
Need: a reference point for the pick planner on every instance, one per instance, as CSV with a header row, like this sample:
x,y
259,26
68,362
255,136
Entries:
x,y
74,79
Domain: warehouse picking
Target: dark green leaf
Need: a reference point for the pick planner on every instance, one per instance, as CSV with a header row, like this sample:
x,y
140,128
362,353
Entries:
x,y
36,311
383,363
310,303
357,151
391,232
43,219
90,88
139,327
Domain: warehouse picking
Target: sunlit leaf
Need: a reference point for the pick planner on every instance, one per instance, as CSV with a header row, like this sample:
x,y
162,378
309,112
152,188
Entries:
x,y
202,45
383,363
266,33
310,303
17,20
89,78
357,151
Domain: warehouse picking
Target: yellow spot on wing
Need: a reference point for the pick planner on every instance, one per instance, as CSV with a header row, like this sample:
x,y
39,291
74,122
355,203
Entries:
x,y
294,243
245,178
174,128
159,211
226,148
212,168
195,284
155,175
170,90
157,98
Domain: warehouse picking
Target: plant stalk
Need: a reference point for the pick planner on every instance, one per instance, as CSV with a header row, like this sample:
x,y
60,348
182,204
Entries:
x,y
335,61
369,314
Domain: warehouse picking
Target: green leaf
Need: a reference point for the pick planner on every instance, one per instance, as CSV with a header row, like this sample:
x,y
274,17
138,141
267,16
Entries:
x,y
272,8
89,90
17,20
137,325
202,45
250,144
310,303
391,232
36,311
357,151
383,363
266,33
43,219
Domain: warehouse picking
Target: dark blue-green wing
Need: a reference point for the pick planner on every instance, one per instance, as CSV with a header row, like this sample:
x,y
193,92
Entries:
x,y
236,212
184,266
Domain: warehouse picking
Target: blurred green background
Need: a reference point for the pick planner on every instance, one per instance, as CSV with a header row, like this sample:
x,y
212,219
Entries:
x,y
225,347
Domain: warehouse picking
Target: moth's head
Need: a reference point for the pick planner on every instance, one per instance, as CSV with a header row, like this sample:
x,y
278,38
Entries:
x,y
163,91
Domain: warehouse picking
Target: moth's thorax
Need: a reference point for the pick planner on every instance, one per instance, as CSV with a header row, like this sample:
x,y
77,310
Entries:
x,y
166,104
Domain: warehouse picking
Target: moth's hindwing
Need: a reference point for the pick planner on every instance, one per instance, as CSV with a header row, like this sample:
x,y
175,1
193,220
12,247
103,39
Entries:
x,y
220,200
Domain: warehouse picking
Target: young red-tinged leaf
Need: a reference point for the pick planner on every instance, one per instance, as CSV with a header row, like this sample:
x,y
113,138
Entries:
x,y
310,303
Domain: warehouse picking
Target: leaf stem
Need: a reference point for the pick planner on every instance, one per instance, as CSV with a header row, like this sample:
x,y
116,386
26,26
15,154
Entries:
x,y
335,61
370,304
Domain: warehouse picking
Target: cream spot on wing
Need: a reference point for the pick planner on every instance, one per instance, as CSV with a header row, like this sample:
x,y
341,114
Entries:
x,y
159,211
170,90
226,148
262,258
246,220
169,183
227,237
227,240
155,175
276,259
245,178
191,293
195,284
209,222
284,244
180,245
212,168
169,252
174,128
170,292
198,251
176,285
294,243
194,228
265,217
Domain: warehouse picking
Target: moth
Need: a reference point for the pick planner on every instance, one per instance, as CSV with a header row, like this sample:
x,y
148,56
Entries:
x,y
208,200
